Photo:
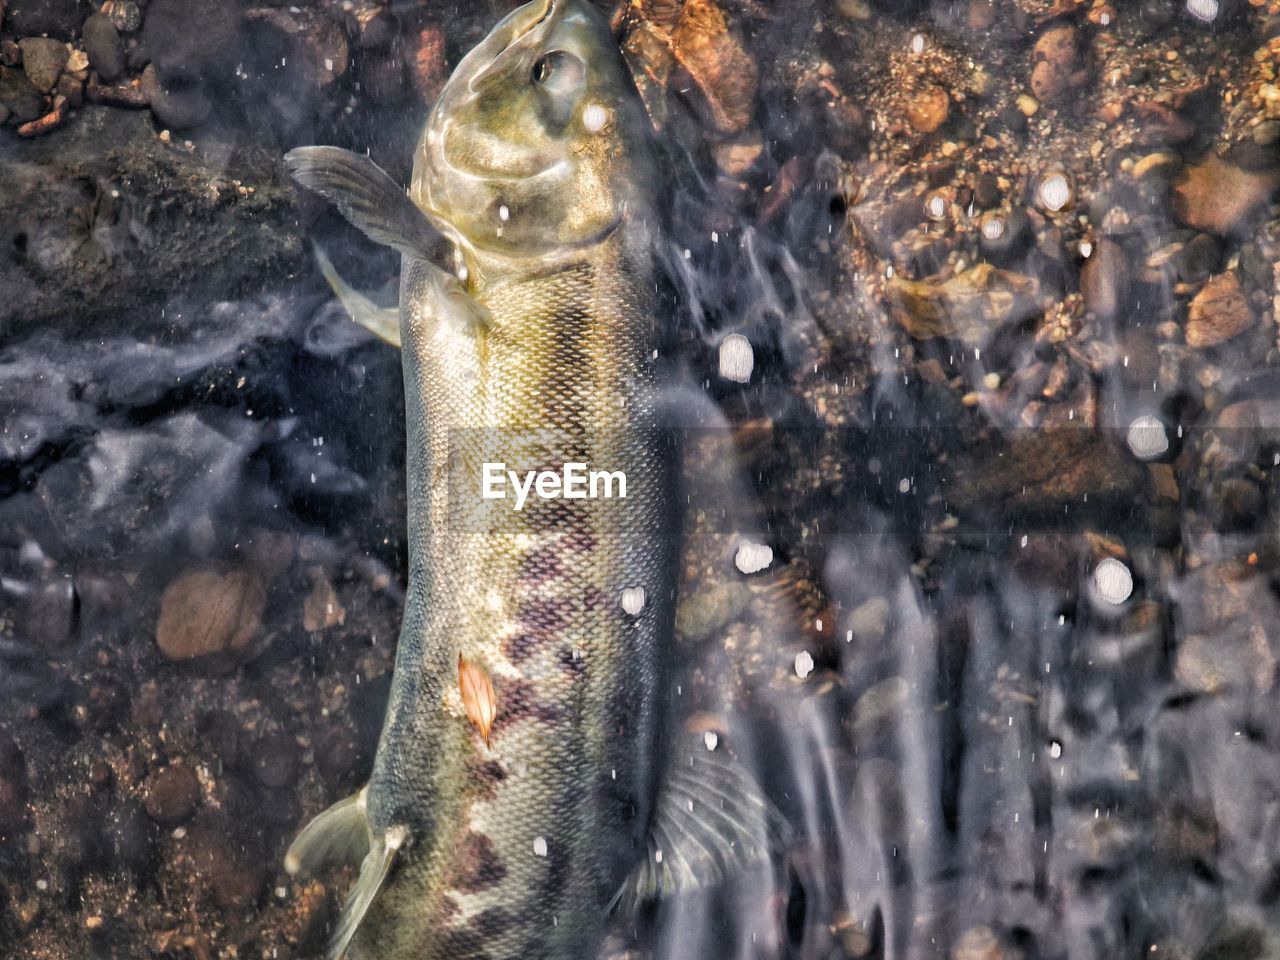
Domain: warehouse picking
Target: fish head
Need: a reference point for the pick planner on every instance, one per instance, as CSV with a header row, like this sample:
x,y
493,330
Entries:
x,y
538,144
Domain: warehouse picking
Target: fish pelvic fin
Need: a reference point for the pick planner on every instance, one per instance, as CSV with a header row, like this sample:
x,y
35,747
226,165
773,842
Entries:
x,y
382,322
373,871
367,196
711,822
337,837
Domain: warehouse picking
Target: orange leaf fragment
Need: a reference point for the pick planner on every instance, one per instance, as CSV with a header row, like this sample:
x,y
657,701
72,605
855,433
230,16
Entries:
x,y
477,696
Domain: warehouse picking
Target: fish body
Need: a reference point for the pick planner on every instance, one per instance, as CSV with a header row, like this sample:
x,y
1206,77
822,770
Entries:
x,y
518,788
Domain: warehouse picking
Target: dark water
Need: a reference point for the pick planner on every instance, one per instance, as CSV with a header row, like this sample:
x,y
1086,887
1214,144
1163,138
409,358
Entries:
x,y
982,300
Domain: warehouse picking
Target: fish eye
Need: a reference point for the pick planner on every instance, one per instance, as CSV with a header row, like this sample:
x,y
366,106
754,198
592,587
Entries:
x,y
558,70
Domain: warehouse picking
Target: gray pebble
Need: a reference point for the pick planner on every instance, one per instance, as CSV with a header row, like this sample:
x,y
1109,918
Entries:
x,y
102,44
43,59
178,108
19,96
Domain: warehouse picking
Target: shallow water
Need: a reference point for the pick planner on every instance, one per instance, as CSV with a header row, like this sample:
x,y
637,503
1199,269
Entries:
x,y
981,430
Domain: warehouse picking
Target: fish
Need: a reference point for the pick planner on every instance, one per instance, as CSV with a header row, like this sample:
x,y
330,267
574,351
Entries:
x,y
530,784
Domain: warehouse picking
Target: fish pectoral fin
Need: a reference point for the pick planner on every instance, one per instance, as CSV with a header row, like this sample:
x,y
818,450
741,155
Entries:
x,y
382,322
337,837
455,304
366,196
373,871
711,822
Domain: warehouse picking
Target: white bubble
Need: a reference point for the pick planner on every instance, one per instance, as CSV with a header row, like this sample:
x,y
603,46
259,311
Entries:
x,y
737,359
904,485
1147,437
710,739
937,206
918,44
1113,581
633,600
753,557
594,117
804,664
540,846
993,227
1086,249
1206,11
1055,192
1055,750
504,213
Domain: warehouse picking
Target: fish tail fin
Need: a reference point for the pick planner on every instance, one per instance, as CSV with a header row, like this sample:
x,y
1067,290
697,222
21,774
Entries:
x,y
382,322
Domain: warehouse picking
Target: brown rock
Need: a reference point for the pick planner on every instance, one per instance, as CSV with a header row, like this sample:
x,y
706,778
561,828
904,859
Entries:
x,y
1056,61
928,109
1219,312
428,68
233,876
978,943
321,609
970,306
1218,197
1053,472
1105,279
714,57
170,795
42,60
1223,613
205,612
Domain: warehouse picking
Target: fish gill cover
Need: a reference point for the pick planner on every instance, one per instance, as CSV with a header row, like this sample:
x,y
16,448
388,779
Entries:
x,y
973,314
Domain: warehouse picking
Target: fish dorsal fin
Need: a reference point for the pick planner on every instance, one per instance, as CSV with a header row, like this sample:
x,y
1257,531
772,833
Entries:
x,y
374,870
711,821
337,837
382,322
366,196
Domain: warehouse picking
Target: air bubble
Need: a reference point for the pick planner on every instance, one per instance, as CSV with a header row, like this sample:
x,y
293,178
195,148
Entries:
x,y
711,739
504,213
993,227
918,43
540,846
1054,192
737,359
594,117
1147,437
804,664
1113,581
633,600
753,557
1206,11
1055,750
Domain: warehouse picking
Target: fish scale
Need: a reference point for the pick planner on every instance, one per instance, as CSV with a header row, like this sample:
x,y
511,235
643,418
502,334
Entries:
x,y
565,725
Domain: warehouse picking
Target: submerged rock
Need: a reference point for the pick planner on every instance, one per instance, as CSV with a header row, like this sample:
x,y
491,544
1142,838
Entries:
x,y
971,307
102,44
100,218
1219,312
42,61
205,612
